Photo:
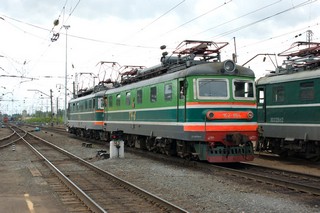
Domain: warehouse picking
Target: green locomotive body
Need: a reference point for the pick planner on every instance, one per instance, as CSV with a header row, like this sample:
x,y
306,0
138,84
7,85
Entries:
x,y
86,113
192,108
289,104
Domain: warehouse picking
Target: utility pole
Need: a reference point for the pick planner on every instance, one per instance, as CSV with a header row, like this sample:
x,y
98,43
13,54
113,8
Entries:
x,y
51,104
66,76
50,96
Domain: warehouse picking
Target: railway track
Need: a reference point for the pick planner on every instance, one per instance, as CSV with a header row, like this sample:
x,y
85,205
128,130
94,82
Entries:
x,y
11,139
300,182
290,180
99,190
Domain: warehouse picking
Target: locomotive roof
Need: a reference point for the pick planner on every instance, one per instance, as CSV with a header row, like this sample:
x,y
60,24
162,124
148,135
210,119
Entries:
x,y
92,95
308,74
302,62
209,68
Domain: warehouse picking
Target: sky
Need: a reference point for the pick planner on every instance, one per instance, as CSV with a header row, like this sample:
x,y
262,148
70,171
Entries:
x,y
42,41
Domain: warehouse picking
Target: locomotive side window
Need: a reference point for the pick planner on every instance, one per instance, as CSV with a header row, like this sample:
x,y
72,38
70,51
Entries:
x,y
243,89
128,98
93,103
261,95
110,99
90,104
182,89
118,99
139,96
100,103
278,94
168,92
153,94
212,88
307,91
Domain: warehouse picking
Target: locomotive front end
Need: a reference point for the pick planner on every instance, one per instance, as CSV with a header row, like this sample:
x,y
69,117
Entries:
x,y
222,108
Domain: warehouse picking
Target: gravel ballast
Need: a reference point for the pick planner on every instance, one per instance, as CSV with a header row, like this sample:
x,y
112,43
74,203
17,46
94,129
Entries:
x,y
189,188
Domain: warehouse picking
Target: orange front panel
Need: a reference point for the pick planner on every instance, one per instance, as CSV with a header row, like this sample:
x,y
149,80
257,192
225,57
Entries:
x,y
222,115
98,123
219,128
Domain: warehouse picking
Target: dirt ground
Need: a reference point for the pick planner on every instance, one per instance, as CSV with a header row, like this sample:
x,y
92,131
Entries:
x,y
23,189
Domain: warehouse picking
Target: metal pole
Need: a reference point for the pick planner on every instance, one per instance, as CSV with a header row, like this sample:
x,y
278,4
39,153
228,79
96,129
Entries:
x,y
51,104
66,76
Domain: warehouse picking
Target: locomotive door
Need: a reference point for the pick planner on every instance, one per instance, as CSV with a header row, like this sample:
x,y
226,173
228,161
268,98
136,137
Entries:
x,y
106,102
181,99
261,102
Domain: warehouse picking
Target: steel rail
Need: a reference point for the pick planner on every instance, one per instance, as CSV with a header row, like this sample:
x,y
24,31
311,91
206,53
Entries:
x,y
288,184
91,204
236,172
9,136
158,200
283,183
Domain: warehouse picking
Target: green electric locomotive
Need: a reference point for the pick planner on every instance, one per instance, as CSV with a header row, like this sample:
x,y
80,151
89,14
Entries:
x,y
86,112
192,105
289,104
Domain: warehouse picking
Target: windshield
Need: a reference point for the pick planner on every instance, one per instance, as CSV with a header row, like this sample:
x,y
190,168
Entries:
x,y
212,88
243,89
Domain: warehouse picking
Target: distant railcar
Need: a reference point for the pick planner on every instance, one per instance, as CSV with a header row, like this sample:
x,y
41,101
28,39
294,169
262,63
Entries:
x,y
5,119
289,104
86,112
192,105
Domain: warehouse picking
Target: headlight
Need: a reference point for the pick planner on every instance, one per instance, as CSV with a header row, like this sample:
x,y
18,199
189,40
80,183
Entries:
x,y
250,115
229,66
210,115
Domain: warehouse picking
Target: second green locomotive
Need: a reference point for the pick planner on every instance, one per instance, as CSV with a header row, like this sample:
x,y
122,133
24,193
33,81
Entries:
x,y
289,104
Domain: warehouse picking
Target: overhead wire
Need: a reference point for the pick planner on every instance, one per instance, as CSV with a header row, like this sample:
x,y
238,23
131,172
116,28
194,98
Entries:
x,y
164,14
263,19
197,17
130,37
38,27
278,36
239,17
152,47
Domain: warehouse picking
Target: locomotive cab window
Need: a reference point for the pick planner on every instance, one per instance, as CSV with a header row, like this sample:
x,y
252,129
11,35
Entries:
x,y
118,99
261,96
243,89
100,103
307,91
153,94
105,101
110,99
168,92
182,90
212,88
128,98
139,96
278,94
90,104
